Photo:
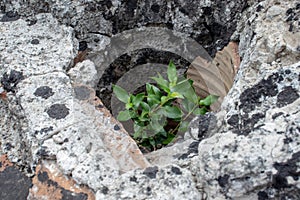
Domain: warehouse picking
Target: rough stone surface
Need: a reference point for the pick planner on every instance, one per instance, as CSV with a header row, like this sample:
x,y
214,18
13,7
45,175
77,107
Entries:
x,y
49,182
255,154
84,73
18,53
170,182
211,23
250,149
13,183
96,23
78,133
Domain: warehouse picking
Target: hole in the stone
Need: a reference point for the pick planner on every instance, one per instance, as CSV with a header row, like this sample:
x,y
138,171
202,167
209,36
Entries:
x,y
138,65
134,67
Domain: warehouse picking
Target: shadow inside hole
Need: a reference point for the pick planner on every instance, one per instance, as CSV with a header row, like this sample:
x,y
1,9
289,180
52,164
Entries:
x,y
126,62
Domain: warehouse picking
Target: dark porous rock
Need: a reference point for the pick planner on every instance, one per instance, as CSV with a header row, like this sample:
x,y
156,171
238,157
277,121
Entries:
x,y
201,19
223,180
35,41
44,92
68,195
287,96
203,126
117,127
192,151
287,169
10,81
253,106
58,111
206,123
176,170
105,190
10,16
82,46
151,172
251,98
43,176
14,184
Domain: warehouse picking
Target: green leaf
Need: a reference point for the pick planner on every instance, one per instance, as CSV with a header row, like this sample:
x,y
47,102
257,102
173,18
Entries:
x,y
183,126
191,95
169,139
191,81
172,73
157,126
137,135
145,106
128,106
176,95
163,99
124,115
138,99
152,141
153,99
172,112
137,127
154,106
187,105
137,131
148,88
151,89
181,87
209,100
148,131
145,135
180,79
200,111
143,119
163,133
156,90
120,93
157,123
162,83
133,114
144,116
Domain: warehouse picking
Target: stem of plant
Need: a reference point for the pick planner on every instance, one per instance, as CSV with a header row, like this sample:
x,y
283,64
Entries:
x,y
172,132
158,107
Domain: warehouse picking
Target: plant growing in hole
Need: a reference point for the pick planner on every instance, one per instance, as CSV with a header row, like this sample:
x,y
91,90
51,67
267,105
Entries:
x,y
160,113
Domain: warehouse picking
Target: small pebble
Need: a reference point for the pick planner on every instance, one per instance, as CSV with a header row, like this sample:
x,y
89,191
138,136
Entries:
x,y
116,128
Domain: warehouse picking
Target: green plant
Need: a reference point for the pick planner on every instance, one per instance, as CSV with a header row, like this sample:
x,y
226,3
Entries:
x,y
163,110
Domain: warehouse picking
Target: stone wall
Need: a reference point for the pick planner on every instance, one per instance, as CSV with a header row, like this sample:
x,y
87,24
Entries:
x,y
211,23
51,117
